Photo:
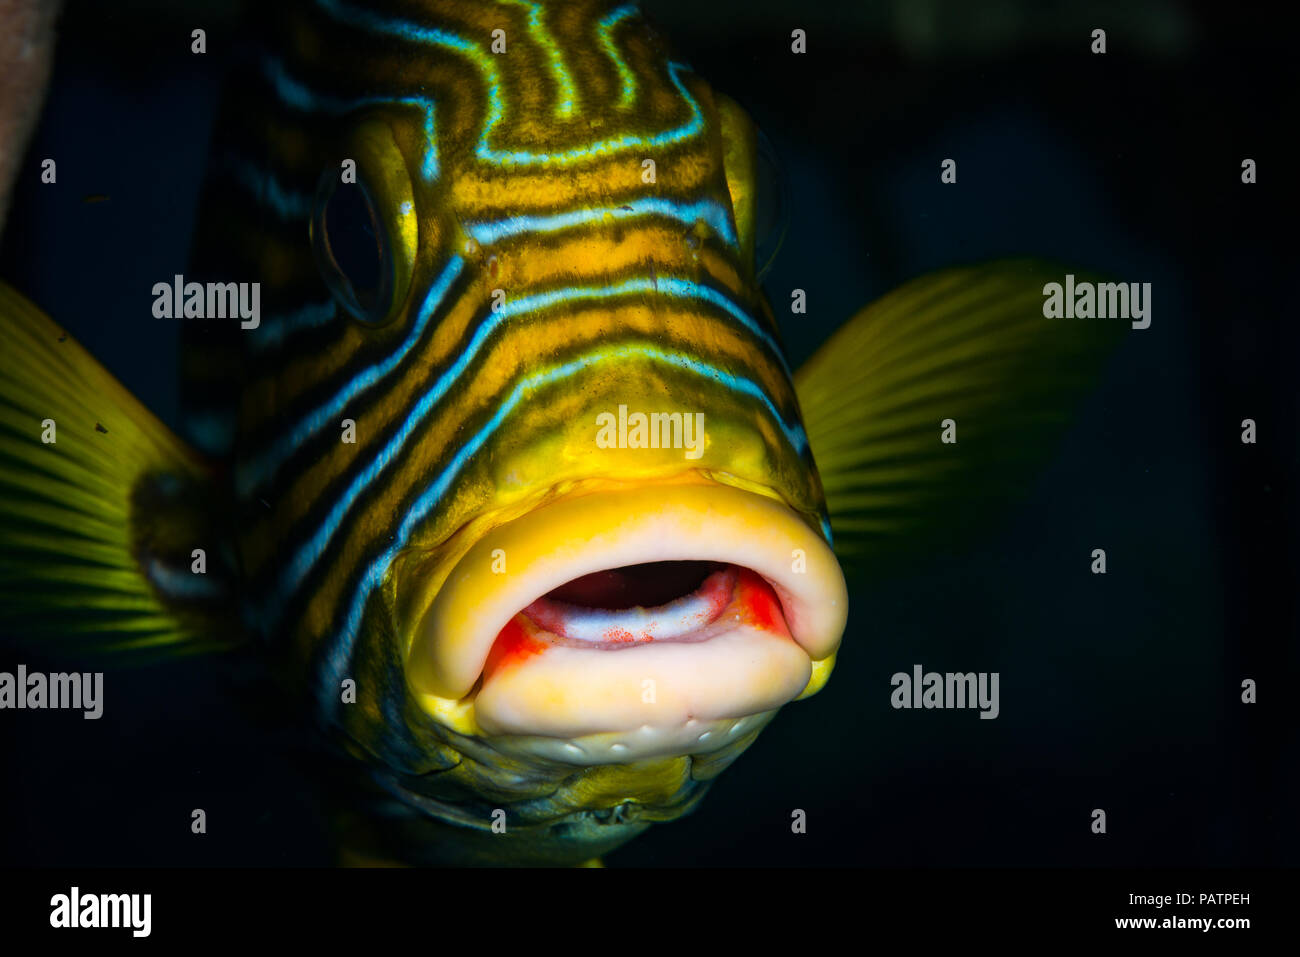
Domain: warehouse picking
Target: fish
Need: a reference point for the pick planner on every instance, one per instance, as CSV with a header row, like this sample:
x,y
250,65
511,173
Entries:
x,y
492,454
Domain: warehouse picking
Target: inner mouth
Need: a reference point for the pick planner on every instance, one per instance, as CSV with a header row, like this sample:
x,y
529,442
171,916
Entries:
x,y
646,585
654,601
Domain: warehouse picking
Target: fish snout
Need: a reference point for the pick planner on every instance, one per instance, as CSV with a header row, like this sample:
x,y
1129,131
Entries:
x,y
633,622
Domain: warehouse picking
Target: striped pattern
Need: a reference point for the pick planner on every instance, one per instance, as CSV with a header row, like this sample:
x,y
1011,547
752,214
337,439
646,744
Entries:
x,y
525,173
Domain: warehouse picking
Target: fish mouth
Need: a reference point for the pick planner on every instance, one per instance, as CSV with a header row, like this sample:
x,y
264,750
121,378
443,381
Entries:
x,y
633,623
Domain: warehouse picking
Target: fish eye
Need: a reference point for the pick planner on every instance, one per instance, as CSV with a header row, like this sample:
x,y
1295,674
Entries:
x,y
351,247
771,205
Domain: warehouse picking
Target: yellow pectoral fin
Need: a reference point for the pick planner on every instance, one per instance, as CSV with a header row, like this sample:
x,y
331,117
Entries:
x,y
107,535
935,404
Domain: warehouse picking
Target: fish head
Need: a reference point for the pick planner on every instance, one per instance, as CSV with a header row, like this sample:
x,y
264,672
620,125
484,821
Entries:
x,y
606,557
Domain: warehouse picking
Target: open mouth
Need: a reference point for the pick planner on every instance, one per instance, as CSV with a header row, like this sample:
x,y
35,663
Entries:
x,y
657,601
630,623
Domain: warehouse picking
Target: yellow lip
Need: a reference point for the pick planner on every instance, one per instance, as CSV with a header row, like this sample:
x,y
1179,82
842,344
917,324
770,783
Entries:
x,y
669,693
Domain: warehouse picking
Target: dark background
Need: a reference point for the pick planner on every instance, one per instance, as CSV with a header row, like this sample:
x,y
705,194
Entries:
x,y
1119,692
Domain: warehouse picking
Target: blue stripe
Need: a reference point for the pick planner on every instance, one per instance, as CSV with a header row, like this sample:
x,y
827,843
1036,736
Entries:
x,y
431,36
297,95
289,205
683,289
252,473
414,33
617,144
274,329
605,30
718,219
339,658
559,72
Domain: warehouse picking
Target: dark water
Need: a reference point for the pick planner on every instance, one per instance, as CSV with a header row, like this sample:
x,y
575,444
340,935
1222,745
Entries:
x,y
1119,692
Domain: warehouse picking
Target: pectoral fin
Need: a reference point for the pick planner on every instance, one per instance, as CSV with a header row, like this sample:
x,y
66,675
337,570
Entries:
x,y
965,355
104,513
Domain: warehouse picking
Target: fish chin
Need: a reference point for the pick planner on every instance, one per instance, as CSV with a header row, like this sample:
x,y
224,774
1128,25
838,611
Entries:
x,y
631,623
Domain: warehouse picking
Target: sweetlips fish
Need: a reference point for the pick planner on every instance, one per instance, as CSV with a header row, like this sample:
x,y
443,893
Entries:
x,y
492,452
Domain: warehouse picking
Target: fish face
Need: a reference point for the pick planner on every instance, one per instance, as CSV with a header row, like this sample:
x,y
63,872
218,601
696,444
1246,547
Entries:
x,y
613,558
572,550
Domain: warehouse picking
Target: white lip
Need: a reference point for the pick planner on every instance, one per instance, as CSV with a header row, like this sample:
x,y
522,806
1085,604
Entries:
x,y
656,692
569,692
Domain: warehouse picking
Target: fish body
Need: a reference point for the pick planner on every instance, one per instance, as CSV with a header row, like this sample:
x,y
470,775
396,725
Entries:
x,y
508,477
